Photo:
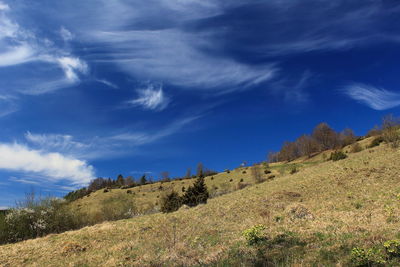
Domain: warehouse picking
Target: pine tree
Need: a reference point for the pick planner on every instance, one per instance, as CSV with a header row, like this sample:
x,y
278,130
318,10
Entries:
x,y
143,180
196,194
120,180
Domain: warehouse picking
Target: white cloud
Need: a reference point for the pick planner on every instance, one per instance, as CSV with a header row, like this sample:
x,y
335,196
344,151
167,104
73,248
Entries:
x,y
375,98
16,55
152,98
176,57
54,166
19,46
4,6
66,34
58,141
71,67
108,83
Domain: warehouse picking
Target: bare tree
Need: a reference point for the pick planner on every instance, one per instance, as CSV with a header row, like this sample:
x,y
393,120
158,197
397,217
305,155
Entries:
x,y
307,145
165,176
256,173
188,173
390,130
325,136
347,137
200,170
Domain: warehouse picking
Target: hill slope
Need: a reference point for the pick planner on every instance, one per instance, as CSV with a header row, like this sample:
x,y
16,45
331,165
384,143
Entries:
x,y
314,216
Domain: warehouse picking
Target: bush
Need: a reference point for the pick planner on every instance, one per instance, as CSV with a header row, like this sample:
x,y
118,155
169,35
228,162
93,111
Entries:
x,y
356,147
366,257
171,202
293,170
267,171
392,247
337,155
376,142
35,219
117,208
255,235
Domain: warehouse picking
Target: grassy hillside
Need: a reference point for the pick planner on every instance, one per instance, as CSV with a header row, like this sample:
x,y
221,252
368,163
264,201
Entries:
x,y
317,215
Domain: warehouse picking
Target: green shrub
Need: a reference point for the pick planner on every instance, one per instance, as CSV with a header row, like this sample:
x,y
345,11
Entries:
x,y
392,247
171,202
37,218
255,235
337,155
366,257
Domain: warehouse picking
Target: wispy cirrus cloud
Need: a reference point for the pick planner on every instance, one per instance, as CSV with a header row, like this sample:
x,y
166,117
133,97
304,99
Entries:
x,y
374,97
54,166
152,97
45,67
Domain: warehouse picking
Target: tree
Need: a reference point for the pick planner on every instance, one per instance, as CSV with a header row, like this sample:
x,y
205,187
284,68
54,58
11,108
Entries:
x,y
390,130
171,202
120,180
306,145
326,137
347,137
200,170
188,173
256,173
129,181
143,179
196,194
165,176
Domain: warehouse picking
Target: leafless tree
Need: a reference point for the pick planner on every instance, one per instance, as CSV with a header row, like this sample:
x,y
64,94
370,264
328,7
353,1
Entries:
x,y
390,130
165,176
325,136
200,170
256,173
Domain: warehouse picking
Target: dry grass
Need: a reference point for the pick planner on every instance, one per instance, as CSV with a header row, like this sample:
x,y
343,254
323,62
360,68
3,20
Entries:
x,y
352,202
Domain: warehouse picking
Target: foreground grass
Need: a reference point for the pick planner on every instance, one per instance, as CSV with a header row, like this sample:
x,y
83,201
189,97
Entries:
x,y
348,203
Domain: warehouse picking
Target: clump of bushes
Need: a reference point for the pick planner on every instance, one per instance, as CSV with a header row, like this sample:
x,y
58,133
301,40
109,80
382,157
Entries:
x,y
356,147
376,142
171,202
337,155
193,196
366,257
37,218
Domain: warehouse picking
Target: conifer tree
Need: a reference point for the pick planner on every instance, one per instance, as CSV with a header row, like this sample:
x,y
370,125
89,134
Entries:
x,y
196,194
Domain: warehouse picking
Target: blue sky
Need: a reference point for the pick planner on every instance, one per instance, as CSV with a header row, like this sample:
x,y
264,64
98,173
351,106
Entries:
x,y
96,88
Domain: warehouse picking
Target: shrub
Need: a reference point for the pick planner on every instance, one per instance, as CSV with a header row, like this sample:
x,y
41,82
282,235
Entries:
x,y
337,155
293,170
37,218
392,247
244,172
196,194
356,147
240,186
231,180
366,257
255,235
171,202
267,171
117,208
376,142
241,180
228,171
